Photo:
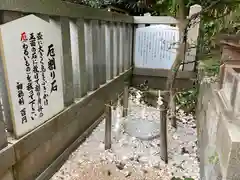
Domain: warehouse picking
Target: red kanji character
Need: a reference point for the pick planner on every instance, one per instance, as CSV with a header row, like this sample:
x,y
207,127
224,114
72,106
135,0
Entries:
x,y
23,36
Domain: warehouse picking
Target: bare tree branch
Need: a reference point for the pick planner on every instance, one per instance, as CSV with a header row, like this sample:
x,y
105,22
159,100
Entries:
x,y
183,30
184,25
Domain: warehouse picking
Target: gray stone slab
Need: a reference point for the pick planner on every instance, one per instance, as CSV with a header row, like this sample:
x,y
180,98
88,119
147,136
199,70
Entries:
x,y
219,138
7,159
142,128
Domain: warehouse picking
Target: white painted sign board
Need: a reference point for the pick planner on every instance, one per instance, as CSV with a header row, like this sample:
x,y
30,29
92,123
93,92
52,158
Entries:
x,y
31,55
156,46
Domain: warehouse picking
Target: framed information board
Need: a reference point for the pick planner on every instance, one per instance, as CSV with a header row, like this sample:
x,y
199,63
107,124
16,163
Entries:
x,y
156,46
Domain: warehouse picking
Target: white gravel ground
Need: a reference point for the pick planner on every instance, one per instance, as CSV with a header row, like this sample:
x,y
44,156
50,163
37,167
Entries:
x,y
131,158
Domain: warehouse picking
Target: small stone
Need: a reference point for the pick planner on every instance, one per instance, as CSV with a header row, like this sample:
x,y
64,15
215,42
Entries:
x,y
131,158
136,158
175,137
127,174
143,159
194,126
184,151
186,155
120,165
144,171
109,173
101,145
124,158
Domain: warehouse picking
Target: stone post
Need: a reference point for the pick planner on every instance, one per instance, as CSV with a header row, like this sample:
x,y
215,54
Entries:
x,y
192,39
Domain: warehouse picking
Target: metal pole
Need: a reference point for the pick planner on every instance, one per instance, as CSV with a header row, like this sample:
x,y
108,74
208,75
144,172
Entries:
x,y
125,98
172,107
173,118
108,126
174,121
163,135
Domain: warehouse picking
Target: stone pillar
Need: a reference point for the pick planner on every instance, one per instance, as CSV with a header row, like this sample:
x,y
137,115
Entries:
x,y
192,39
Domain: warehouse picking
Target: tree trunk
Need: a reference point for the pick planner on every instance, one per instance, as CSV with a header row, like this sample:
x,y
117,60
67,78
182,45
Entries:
x,y
177,63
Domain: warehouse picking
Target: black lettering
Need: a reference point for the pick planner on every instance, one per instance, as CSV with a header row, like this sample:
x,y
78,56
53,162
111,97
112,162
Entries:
x,y
53,86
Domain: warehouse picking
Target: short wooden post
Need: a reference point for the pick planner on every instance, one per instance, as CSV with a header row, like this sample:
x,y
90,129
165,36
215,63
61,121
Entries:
x,y
125,98
163,133
108,126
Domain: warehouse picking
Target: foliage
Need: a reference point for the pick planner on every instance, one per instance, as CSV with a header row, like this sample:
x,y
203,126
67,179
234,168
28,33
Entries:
x,y
212,27
217,16
187,99
210,64
133,7
223,17
214,158
94,3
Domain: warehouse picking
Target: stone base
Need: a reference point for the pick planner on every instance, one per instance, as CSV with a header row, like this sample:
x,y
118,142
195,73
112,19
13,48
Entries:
x,y
219,138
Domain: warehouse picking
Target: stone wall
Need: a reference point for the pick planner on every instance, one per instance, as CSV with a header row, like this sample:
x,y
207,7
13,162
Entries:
x,y
219,137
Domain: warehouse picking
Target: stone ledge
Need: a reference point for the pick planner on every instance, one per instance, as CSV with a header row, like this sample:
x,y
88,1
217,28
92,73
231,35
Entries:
x,y
7,159
157,78
44,132
8,175
218,136
227,137
39,148
163,73
156,82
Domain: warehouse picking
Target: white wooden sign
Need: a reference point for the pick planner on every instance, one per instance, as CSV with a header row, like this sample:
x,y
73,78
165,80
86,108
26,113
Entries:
x,y
156,46
31,54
